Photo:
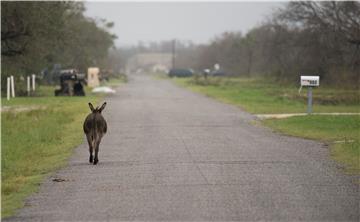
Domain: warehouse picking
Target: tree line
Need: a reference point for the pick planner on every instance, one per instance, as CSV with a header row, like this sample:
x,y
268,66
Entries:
x,y
302,38
37,35
299,38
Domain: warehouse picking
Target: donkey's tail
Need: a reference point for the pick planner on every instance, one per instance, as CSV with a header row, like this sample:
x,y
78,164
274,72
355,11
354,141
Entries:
x,y
95,137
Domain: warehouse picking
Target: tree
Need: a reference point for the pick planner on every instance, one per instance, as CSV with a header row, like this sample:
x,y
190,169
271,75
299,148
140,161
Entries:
x,y
335,26
36,35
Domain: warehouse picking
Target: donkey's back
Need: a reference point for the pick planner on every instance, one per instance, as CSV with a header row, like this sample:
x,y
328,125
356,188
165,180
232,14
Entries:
x,y
95,124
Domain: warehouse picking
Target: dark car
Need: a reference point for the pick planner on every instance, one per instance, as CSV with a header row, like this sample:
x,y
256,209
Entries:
x,y
180,73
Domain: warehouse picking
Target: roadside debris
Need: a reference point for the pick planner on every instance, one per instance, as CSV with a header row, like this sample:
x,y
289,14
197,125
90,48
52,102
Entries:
x,y
103,89
58,180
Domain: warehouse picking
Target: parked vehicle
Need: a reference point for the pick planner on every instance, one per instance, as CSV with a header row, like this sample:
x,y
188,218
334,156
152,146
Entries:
x,y
71,83
180,72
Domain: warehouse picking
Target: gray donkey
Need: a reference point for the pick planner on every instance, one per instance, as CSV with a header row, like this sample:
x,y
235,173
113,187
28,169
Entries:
x,y
95,127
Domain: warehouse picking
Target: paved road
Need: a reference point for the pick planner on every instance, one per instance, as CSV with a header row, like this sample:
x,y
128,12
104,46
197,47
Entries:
x,y
171,154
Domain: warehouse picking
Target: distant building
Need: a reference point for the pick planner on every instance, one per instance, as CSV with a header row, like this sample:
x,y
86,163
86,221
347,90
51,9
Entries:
x,y
150,61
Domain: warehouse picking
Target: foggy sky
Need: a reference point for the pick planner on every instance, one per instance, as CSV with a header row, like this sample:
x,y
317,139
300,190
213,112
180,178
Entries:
x,y
198,22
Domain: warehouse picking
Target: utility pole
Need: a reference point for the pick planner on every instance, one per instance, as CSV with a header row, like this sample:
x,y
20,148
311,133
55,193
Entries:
x,y
173,53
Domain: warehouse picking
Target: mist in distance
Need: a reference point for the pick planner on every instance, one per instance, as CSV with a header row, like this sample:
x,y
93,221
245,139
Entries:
x,y
196,22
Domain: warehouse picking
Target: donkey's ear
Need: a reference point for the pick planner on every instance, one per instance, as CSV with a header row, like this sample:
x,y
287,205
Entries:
x,y
91,107
102,107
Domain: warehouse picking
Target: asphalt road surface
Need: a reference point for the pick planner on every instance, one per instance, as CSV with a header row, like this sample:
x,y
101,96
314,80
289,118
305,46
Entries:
x,y
171,154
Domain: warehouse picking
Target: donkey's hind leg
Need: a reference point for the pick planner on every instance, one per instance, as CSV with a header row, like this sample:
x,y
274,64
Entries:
x,y
96,159
88,137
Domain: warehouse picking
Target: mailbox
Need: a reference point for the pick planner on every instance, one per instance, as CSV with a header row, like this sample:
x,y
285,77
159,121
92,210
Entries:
x,y
310,81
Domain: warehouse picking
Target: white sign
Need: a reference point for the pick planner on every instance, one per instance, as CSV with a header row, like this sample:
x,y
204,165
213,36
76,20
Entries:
x,y
309,80
216,66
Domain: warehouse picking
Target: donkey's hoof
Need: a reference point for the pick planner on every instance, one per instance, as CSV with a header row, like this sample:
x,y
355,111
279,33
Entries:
x,y
91,159
96,161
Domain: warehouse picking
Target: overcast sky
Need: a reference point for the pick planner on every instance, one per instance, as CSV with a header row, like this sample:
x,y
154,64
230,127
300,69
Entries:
x,y
199,22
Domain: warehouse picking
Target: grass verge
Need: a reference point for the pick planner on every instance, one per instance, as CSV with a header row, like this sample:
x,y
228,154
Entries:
x,y
38,141
261,96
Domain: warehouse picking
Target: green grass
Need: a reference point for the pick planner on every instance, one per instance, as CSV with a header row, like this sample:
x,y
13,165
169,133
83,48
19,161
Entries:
x,y
259,96
342,132
320,127
348,154
36,142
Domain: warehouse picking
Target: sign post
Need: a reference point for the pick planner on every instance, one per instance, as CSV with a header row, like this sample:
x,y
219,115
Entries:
x,y
309,94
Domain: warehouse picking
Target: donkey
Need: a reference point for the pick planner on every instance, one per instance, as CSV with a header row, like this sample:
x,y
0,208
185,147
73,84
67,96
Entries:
x,y
95,127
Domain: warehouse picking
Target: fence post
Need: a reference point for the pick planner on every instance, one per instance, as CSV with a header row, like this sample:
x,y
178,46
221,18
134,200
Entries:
x,y
8,88
33,82
12,86
28,85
